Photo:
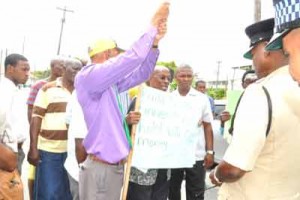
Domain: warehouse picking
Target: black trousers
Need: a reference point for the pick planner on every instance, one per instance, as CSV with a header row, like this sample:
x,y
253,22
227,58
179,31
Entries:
x,y
158,191
195,182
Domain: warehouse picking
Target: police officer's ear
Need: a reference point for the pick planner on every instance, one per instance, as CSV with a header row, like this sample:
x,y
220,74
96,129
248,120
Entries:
x,y
267,53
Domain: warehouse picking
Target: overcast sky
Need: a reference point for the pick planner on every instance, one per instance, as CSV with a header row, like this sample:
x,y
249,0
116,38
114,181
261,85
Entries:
x,y
200,32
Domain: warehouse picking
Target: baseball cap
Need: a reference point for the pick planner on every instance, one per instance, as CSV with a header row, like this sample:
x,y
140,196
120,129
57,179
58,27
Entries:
x,y
101,45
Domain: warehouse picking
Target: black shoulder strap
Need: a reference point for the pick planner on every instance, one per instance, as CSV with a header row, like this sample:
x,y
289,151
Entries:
x,y
269,110
230,130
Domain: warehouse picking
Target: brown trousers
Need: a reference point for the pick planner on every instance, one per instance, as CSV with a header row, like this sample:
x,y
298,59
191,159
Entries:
x,y
11,187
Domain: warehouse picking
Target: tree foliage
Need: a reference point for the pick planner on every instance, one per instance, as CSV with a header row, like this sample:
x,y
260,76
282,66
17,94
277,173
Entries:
x,y
216,93
41,74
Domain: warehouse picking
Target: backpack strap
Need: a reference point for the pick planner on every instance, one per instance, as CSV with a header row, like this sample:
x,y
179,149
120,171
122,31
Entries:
x,y
230,130
270,110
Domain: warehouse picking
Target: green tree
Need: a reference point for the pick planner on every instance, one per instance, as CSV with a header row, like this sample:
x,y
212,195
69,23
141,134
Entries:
x,y
216,93
41,74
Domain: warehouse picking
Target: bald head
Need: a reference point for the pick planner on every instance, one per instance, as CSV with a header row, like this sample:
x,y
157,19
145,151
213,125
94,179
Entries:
x,y
72,66
159,68
160,78
57,66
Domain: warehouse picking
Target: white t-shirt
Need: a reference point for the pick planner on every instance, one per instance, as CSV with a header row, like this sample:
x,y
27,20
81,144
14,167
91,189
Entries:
x,y
205,115
20,125
77,129
8,90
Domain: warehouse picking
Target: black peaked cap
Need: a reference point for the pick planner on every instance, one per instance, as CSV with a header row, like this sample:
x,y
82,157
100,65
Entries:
x,y
260,31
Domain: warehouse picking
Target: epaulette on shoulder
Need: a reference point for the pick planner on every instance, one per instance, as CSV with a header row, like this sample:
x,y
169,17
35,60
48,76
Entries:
x,y
49,85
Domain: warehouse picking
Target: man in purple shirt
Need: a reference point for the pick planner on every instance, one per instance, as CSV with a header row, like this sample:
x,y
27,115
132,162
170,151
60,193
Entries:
x,y
98,87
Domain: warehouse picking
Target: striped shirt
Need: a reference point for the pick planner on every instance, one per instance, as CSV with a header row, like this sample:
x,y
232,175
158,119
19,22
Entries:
x,y
34,90
50,105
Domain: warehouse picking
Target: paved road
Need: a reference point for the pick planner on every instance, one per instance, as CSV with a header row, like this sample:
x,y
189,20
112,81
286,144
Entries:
x,y
210,194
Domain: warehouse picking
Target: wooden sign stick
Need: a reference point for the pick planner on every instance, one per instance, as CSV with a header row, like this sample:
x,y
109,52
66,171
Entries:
x,y
129,159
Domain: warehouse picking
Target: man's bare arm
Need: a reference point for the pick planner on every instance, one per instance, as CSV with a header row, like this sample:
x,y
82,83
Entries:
x,y
8,159
209,144
29,112
35,127
226,172
81,153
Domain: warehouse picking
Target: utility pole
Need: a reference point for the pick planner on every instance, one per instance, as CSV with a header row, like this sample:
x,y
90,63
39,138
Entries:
x,y
1,64
23,46
218,72
257,10
63,20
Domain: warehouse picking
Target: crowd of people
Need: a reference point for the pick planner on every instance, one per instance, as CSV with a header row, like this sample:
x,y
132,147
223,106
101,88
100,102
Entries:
x,y
82,116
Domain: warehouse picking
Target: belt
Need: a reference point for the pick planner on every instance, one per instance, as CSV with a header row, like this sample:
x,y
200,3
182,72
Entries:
x,y
96,159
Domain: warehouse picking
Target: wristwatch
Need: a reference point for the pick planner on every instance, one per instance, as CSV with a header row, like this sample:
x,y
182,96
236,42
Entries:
x,y
210,152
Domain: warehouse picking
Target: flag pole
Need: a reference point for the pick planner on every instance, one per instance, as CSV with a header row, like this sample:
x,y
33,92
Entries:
x,y
129,159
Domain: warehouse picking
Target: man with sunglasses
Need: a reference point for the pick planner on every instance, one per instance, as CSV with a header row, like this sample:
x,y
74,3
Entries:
x,y
154,183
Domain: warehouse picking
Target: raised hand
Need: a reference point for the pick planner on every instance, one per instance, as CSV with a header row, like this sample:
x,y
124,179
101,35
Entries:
x,y
161,14
161,32
159,20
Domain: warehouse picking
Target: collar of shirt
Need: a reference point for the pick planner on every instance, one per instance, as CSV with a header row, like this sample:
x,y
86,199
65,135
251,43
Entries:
x,y
281,70
192,92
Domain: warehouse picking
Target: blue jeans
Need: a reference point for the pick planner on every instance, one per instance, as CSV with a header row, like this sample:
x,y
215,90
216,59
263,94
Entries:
x,y
51,178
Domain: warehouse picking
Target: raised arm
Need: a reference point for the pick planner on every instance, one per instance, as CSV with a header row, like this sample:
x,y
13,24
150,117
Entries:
x,y
97,78
143,72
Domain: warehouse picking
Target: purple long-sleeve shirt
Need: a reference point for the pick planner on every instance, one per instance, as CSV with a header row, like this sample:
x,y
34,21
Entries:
x,y
97,85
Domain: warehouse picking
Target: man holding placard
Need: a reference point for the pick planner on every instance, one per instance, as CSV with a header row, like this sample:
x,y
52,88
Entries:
x,y
152,184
